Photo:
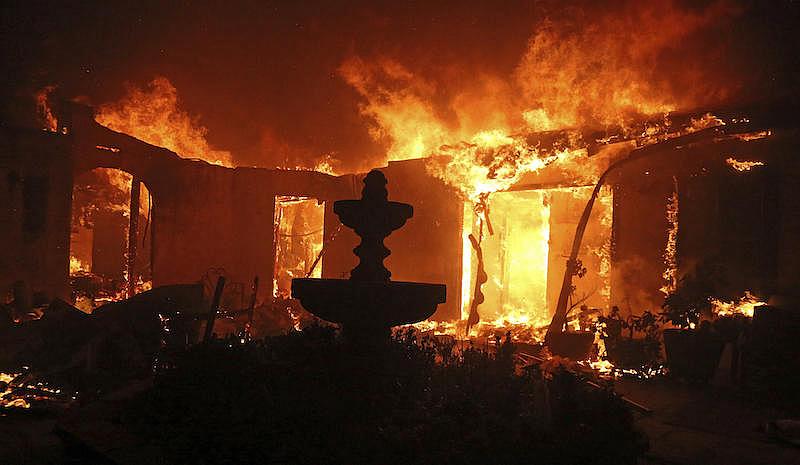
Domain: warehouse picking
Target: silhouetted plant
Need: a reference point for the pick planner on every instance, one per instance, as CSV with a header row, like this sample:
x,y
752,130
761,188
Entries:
x,y
309,398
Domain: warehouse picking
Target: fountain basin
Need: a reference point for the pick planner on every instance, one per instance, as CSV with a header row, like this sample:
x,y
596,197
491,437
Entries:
x,y
374,218
368,303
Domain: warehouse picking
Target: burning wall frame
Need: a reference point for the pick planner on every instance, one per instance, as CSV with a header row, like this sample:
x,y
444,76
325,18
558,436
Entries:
x,y
203,210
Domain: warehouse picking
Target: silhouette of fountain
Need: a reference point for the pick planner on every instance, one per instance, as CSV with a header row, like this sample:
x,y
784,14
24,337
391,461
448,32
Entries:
x,y
368,304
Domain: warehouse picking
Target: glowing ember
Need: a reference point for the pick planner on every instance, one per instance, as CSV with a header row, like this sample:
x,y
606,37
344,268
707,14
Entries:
x,y
745,305
741,166
751,136
7,400
16,394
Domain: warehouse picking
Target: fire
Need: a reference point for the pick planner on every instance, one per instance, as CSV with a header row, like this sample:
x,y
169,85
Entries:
x,y
595,73
670,253
47,118
10,398
103,190
704,122
490,162
741,166
6,396
77,266
326,166
598,71
745,305
153,115
751,136
399,104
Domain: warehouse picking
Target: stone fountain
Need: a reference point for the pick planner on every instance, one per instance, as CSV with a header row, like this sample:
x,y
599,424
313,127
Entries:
x,y
368,304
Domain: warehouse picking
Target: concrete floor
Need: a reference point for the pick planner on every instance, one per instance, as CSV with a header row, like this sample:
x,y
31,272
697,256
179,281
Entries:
x,y
705,425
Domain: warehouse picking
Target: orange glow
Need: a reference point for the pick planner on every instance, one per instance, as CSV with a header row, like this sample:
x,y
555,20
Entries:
x,y
154,116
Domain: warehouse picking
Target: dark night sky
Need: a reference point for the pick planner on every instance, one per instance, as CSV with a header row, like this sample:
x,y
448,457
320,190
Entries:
x,y
255,68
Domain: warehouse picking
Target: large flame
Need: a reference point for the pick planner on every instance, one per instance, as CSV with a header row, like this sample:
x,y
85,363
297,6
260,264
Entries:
x,y
153,115
745,305
603,71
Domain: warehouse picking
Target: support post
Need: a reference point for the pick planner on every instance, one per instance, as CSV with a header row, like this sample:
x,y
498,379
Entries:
x,y
251,308
212,315
133,235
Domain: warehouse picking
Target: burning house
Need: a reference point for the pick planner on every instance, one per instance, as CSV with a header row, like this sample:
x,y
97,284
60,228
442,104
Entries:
x,y
521,199
598,189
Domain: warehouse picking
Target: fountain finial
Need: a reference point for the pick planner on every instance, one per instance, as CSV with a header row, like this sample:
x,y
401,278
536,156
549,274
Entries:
x,y
375,188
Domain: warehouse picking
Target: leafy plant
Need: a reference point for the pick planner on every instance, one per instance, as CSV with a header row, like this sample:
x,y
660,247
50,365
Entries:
x,y
690,301
307,398
631,352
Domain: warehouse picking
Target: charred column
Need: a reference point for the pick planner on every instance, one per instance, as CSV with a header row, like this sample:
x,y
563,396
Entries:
x,y
133,228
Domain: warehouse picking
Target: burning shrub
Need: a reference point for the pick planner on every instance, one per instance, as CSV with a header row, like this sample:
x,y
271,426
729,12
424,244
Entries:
x,y
308,398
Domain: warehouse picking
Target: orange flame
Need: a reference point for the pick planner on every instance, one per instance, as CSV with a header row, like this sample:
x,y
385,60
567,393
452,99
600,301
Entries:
x,y
745,305
741,165
670,274
153,115
47,118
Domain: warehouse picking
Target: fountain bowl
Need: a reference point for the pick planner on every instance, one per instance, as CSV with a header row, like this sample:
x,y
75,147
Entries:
x,y
368,303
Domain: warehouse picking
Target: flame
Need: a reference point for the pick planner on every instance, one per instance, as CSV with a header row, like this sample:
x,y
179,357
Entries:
x,y
46,116
670,274
42,391
326,166
751,136
115,185
704,122
599,71
6,396
517,258
742,166
76,265
745,305
153,115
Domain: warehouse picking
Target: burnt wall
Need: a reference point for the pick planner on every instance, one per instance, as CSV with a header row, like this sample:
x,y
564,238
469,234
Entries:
x,y
207,217
213,218
35,202
738,227
639,239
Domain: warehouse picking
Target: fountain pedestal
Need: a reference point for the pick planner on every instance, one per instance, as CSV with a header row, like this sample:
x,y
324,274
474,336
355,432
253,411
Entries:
x,y
368,304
